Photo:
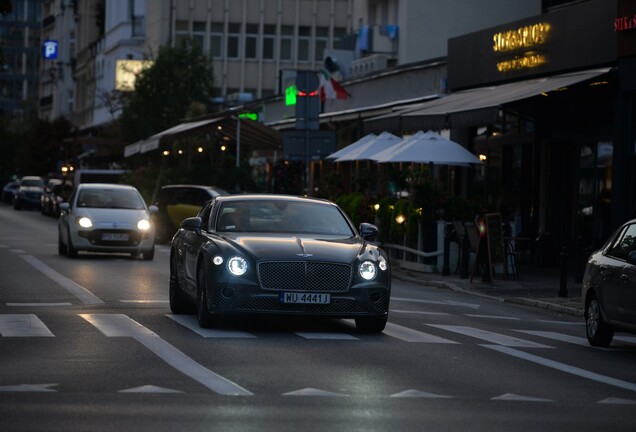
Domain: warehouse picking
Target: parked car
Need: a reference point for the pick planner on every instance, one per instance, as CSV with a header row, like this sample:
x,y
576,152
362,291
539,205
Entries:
x,y
28,193
100,217
46,203
177,202
609,287
8,191
281,255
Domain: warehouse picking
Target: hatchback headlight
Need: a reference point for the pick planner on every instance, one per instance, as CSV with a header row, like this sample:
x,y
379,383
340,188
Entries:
x,y
237,266
367,270
143,225
85,222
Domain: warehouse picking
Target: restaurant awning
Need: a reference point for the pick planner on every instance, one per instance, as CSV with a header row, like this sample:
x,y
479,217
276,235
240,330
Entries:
x,y
252,134
474,107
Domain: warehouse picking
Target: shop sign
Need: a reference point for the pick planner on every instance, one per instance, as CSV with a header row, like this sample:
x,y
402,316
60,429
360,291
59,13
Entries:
x,y
526,38
625,23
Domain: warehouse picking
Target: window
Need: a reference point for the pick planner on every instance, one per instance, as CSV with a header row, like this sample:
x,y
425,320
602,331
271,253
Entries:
x,y
181,32
322,39
198,34
625,244
286,43
216,40
233,40
269,39
251,41
304,40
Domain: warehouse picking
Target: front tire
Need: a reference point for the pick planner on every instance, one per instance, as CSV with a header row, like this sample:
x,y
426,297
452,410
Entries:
x,y
371,324
178,303
599,333
149,255
71,252
204,317
61,247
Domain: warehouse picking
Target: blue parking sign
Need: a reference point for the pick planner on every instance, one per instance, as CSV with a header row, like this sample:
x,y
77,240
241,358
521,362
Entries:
x,y
49,49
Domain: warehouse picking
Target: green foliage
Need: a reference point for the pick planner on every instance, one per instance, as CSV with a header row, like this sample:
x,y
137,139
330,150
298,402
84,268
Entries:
x,y
165,92
357,206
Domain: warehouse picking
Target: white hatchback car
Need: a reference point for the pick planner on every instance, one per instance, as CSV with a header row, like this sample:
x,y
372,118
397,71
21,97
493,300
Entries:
x,y
100,217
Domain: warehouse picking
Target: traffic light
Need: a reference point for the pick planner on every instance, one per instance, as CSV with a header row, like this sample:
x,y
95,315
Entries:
x,y
307,100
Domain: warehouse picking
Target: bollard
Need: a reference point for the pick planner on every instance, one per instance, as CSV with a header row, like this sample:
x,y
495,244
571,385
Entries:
x,y
563,286
446,267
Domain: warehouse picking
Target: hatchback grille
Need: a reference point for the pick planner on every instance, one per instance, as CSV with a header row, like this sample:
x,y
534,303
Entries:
x,y
304,276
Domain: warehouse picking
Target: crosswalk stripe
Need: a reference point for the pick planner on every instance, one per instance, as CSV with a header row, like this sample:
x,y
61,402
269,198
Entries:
x,y
410,335
190,322
23,325
490,336
557,336
326,336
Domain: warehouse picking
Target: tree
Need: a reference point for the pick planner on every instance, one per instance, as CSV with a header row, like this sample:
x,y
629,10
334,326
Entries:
x,y
164,92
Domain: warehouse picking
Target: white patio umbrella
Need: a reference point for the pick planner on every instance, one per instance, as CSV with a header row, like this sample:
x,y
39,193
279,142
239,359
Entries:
x,y
353,146
429,147
368,149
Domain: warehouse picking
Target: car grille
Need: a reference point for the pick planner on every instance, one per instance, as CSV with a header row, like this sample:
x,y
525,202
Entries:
x,y
95,237
304,276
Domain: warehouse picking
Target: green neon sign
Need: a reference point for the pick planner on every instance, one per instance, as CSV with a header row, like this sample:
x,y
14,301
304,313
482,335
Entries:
x,y
250,116
290,95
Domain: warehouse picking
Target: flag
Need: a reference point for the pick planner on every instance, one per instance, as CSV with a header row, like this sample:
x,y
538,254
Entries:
x,y
330,88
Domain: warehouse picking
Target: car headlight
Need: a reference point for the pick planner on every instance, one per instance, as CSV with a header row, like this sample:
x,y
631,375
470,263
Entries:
x,y
237,266
85,222
367,270
143,225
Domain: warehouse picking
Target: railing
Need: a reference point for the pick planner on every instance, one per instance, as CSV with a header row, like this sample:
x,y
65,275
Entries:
x,y
417,259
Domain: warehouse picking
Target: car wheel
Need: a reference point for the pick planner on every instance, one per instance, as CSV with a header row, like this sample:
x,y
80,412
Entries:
x,y
149,255
598,332
71,252
205,318
178,303
371,324
61,247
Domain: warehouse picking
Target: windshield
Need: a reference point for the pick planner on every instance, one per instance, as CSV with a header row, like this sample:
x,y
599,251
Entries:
x,y
283,217
110,198
31,183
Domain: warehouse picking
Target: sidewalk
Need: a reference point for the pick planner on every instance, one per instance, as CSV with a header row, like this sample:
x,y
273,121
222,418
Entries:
x,y
536,286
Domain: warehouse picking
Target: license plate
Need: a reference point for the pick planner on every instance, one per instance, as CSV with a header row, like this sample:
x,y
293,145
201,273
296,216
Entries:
x,y
115,236
305,298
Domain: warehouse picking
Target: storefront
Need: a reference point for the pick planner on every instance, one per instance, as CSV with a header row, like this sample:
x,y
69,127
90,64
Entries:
x,y
549,103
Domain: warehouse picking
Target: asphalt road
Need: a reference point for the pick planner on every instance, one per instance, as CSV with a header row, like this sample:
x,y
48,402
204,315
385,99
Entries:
x,y
90,344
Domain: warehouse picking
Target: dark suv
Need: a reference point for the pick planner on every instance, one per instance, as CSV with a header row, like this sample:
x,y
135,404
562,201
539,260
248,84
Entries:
x,y
177,202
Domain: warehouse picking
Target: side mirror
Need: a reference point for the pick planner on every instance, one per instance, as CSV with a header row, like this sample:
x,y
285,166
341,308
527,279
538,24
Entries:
x,y
191,224
65,206
368,231
631,258
153,209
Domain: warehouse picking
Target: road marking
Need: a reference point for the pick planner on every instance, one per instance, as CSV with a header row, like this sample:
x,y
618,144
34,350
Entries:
x,y
326,336
581,323
190,322
313,392
17,251
149,389
564,367
520,398
418,312
144,301
410,335
490,337
84,295
492,317
40,304
419,394
437,302
23,325
28,388
617,401
118,325
557,336
629,339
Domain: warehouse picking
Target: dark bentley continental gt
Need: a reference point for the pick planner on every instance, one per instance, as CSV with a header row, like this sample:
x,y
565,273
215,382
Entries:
x,y
282,255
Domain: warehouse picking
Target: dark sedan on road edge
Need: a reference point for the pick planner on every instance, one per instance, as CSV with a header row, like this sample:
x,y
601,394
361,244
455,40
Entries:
x,y
279,255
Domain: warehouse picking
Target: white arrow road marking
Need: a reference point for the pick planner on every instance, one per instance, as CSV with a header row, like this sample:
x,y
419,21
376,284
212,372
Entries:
x,y
557,336
419,394
490,337
28,388
84,295
327,336
564,367
118,325
313,392
410,335
436,302
617,401
191,323
149,389
514,397
23,325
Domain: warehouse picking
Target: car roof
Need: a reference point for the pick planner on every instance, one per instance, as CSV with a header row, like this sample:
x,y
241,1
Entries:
x,y
32,178
104,186
270,197
194,186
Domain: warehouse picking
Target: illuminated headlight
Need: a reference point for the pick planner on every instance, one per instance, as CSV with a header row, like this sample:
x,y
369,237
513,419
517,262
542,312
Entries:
x,y
383,265
85,222
217,260
143,225
367,270
237,266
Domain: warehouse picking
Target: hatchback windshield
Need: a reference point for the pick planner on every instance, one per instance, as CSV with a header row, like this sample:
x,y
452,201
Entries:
x,y
110,198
